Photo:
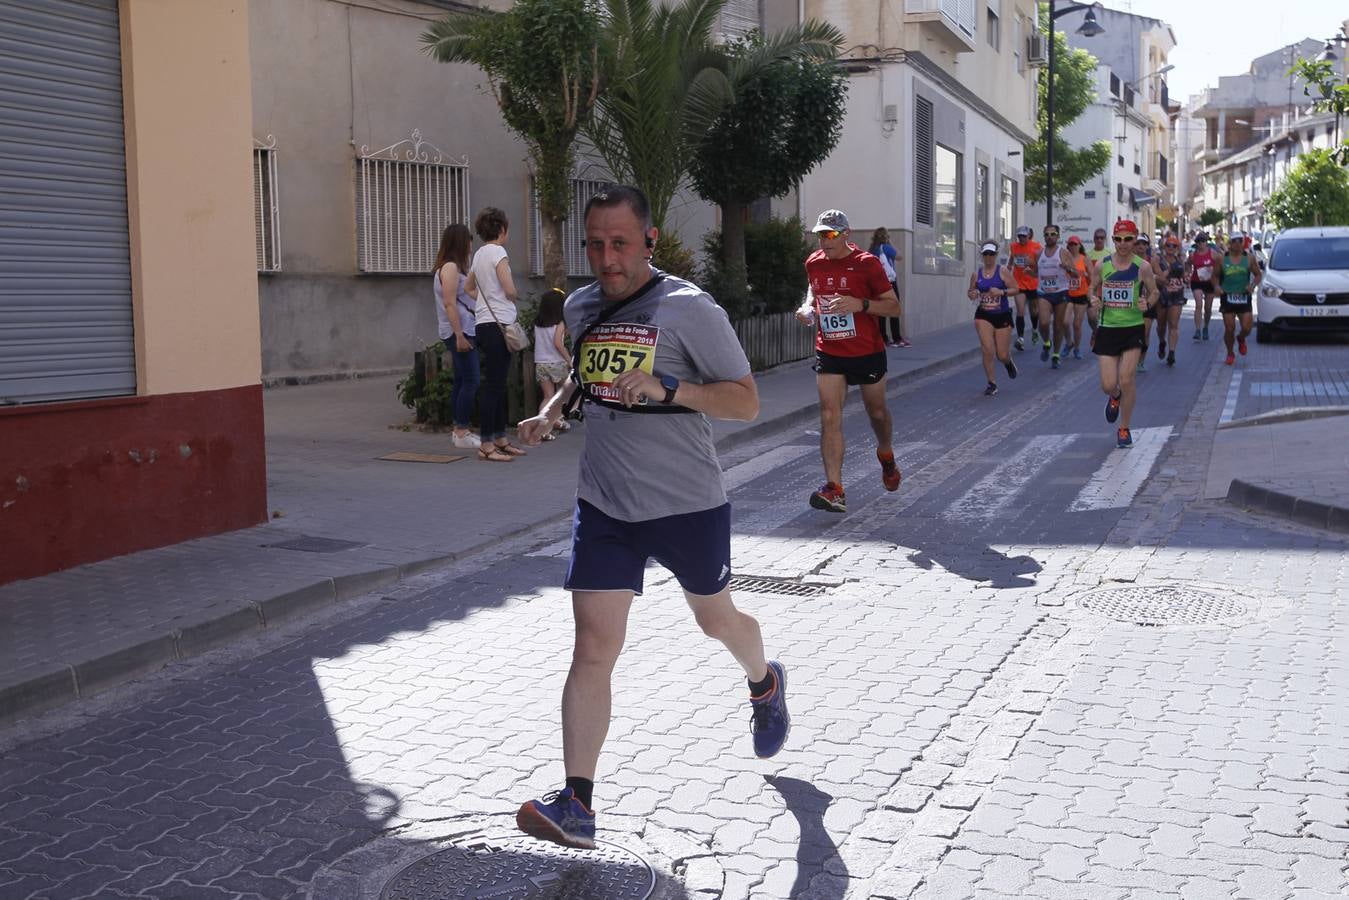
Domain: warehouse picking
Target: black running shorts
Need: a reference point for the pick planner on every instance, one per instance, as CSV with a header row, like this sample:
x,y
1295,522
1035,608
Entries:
x,y
1113,341
867,369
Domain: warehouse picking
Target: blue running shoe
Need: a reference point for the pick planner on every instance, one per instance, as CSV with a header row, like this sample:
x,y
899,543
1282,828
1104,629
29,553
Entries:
x,y
559,817
1077,354
1054,361
1112,408
770,721
1044,352
1124,439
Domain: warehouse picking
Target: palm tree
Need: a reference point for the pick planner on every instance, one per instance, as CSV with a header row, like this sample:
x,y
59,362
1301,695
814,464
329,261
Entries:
x,y
666,82
541,58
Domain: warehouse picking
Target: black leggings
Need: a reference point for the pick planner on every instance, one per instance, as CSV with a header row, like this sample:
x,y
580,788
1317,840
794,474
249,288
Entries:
x,y
890,324
492,402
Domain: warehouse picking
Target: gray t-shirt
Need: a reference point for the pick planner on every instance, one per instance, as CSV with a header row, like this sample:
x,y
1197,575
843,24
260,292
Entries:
x,y
641,466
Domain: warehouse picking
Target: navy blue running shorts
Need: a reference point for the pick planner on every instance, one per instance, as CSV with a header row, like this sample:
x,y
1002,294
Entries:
x,y
608,554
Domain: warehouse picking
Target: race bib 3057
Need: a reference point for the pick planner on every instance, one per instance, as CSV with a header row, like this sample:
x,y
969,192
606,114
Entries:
x,y
609,350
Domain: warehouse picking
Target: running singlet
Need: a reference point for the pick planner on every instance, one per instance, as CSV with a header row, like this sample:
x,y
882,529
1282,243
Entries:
x,y
1203,265
1078,280
856,275
1097,255
988,302
1173,287
1236,283
1020,256
1119,294
1052,280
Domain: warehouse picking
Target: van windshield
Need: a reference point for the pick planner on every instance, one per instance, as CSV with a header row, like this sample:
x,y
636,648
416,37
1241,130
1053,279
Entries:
x,y
1310,253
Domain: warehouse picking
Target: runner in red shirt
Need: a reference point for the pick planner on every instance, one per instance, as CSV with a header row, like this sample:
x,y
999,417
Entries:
x,y
1021,255
848,292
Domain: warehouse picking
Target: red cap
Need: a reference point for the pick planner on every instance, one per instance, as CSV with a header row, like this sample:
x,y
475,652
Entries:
x,y
1125,226
1074,239
1172,241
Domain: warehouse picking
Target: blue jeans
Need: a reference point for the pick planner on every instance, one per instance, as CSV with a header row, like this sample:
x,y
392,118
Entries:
x,y
492,409
465,390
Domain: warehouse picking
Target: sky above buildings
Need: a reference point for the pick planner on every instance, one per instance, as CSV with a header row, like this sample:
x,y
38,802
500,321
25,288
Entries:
x,y
1222,39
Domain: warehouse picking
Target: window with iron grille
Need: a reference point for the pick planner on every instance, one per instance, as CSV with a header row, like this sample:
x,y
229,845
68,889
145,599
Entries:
x,y
573,229
923,172
405,196
1007,207
982,190
266,215
738,18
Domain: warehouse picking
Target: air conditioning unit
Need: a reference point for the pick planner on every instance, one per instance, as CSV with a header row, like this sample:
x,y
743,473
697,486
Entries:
x,y
1037,50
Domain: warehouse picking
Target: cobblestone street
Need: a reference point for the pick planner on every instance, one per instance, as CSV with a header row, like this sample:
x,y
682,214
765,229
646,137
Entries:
x,y
977,710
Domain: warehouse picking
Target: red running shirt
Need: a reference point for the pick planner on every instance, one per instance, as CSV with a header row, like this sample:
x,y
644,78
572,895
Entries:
x,y
859,274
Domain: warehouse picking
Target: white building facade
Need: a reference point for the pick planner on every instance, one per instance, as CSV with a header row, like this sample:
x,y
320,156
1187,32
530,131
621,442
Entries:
x,y
940,105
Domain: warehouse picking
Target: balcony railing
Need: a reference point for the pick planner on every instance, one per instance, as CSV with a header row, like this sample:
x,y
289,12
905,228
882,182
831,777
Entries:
x,y
954,21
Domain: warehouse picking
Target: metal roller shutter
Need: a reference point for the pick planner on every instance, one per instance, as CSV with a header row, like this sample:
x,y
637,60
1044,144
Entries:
x,y
65,268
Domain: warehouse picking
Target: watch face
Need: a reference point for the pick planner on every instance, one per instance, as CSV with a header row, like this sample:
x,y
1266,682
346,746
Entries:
x,y
669,382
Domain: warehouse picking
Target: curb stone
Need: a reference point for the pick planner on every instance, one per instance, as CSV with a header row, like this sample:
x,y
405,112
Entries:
x,y
1289,506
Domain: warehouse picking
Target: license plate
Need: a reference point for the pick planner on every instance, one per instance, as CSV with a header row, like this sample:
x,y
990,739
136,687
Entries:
x,y
1306,311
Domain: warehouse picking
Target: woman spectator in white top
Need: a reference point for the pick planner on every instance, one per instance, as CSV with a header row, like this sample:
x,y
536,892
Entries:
x,y
491,275
552,362
455,316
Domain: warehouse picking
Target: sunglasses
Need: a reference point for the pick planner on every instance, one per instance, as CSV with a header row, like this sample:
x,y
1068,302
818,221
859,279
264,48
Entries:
x,y
1051,234
1125,238
828,235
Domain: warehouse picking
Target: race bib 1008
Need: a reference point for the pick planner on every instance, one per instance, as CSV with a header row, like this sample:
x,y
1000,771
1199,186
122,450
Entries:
x,y
1239,299
609,350
837,326
1119,296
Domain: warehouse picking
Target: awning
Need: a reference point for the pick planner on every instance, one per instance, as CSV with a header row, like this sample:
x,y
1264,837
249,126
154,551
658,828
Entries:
x,y
1139,198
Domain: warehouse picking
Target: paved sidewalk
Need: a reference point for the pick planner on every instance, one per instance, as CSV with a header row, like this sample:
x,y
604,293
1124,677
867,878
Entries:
x,y
344,524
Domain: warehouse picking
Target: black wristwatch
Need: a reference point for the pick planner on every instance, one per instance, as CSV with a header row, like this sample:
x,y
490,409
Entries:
x,y
671,384
866,304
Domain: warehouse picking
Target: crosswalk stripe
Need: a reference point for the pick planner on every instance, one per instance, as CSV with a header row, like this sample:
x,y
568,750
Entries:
x,y
750,469
1116,482
993,493
1233,392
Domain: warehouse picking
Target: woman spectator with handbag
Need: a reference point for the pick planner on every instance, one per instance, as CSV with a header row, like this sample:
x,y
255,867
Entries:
x,y
882,249
455,318
498,327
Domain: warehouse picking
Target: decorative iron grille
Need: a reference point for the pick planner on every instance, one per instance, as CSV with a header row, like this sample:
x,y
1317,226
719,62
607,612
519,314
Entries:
x,y
266,212
405,196
573,229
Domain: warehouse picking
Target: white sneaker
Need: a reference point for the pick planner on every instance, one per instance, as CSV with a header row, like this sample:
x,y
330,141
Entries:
x,y
466,441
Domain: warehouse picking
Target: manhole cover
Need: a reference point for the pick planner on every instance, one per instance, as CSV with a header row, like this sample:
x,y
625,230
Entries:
x,y
316,545
523,869
1166,605
746,584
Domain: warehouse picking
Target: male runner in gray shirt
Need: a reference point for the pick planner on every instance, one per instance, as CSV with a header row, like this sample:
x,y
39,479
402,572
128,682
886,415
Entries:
x,y
663,359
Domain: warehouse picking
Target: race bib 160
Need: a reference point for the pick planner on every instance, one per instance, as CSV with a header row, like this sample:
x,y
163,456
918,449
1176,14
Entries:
x,y
1117,296
609,350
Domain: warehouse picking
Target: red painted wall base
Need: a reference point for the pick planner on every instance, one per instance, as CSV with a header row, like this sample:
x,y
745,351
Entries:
x,y
83,481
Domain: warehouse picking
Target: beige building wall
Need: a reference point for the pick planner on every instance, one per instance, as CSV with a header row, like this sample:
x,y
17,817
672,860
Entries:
x,y
194,288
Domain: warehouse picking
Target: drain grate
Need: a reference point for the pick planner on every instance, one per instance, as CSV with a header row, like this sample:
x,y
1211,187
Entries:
x,y
1167,605
751,584
315,545
521,868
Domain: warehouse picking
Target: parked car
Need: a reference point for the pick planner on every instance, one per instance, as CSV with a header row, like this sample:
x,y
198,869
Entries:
x,y
1306,286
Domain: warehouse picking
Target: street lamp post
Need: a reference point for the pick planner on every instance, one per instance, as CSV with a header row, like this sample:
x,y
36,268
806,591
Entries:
x,y
1090,28
1328,55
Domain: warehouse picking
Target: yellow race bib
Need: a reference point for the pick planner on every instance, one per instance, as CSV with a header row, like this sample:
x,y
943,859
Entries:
x,y
611,349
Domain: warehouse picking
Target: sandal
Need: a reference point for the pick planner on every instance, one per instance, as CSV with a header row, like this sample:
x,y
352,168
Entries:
x,y
510,450
494,455
550,436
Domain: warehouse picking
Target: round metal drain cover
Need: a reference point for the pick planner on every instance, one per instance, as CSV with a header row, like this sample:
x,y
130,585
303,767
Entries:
x,y
522,868
1167,605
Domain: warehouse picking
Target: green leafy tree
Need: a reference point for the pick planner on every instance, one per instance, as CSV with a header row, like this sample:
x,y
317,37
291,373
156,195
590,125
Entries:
x,y
1316,192
666,82
1074,91
1212,217
1328,92
784,120
542,61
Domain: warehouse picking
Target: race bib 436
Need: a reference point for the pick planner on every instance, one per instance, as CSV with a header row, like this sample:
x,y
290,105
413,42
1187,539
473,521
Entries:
x,y
609,350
